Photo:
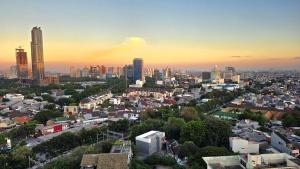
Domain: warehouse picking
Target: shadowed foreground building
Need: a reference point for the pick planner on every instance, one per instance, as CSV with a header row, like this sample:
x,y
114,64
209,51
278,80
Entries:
x,y
150,142
119,158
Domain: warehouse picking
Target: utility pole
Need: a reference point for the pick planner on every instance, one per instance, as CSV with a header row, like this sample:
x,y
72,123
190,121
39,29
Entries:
x,y
126,77
28,161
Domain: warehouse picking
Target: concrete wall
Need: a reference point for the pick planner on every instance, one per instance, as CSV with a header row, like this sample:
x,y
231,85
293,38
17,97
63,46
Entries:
x,y
279,144
243,146
143,147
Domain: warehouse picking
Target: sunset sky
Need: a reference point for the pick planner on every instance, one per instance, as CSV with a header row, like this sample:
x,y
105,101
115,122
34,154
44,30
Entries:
x,y
248,34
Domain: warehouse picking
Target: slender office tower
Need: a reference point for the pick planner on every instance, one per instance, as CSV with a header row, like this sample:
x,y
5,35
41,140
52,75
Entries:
x,y
37,56
138,69
22,64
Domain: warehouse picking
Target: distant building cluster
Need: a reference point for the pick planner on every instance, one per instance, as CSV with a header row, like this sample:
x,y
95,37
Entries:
x,y
217,76
133,72
35,75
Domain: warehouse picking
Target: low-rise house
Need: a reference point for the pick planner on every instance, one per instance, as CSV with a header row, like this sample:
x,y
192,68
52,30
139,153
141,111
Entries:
x,y
86,103
94,117
247,124
252,135
57,93
53,128
131,116
115,101
150,142
169,101
6,124
14,97
253,161
71,110
92,101
118,158
150,92
22,119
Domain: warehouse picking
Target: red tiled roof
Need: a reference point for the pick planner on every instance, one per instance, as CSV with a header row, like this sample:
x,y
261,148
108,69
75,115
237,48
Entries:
x,y
22,119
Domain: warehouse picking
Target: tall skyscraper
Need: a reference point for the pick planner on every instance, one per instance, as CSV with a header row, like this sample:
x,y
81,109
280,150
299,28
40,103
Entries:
x,y
138,68
128,72
206,76
216,73
230,69
228,73
85,72
22,64
37,56
157,75
75,72
167,73
12,73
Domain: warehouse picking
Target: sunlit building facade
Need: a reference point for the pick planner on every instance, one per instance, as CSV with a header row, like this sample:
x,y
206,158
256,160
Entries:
x,y
37,56
22,63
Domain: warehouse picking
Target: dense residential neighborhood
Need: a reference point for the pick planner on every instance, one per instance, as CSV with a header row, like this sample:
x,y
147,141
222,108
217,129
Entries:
x,y
188,126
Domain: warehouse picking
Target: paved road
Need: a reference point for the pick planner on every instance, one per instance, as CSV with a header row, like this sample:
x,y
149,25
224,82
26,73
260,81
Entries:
x,y
31,142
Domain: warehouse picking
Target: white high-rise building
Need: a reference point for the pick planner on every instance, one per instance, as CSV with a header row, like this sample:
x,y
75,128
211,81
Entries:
x,y
215,74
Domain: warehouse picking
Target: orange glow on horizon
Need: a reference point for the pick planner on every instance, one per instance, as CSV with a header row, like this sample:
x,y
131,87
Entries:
x,y
172,54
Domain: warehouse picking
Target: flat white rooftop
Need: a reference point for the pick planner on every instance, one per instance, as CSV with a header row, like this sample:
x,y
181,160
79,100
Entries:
x,y
146,136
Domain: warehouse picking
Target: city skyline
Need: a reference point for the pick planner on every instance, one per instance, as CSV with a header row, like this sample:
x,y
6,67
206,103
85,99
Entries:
x,y
193,34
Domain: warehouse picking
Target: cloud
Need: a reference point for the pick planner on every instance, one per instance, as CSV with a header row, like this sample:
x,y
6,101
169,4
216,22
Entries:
x,y
130,43
237,56
134,42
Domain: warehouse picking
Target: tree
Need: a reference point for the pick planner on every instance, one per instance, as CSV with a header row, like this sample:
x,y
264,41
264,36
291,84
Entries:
x,y
173,127
5,161
70,91
106,146
138,164
20,157
187,149
209,151
291,120
89,136
218,132
65,101
48,98
50,106
23,131
71,160
58,145
189,113
119,126
169,111
161,160
256,116
45,115
194,131
150,113
2,139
